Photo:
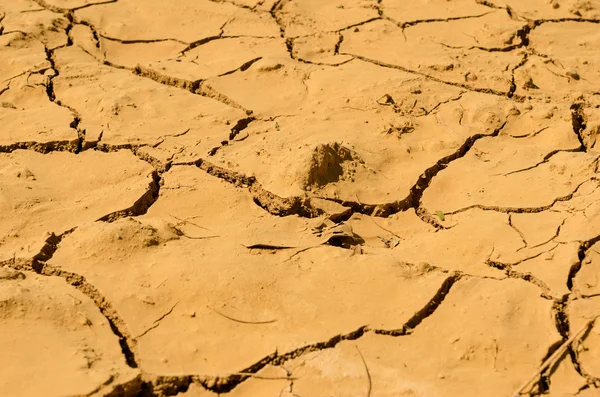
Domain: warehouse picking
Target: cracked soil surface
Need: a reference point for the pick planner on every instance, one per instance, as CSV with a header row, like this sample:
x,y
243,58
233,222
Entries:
x,y
299,198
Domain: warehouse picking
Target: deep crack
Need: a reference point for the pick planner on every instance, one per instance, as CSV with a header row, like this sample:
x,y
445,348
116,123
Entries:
x,y
117,325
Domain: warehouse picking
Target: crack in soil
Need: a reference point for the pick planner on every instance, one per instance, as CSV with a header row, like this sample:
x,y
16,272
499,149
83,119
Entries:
x,y
117,325
239,126
427,310
582,251
579,124
228,383
507,268
154,385
270,202
404,25
198,87
414,198
522,210
61,10
43,147
563,327
430,77
141,205
301,206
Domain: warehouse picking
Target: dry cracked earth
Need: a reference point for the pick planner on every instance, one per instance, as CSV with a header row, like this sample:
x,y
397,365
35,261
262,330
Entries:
x,y
299,198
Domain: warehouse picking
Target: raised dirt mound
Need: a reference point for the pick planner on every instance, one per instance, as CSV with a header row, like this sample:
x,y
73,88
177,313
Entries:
x,y
330,163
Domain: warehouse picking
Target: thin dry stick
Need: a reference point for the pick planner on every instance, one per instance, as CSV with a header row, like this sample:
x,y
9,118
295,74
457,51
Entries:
x,y
157,321
197,237
366,370
187,220
302,250
241,321
559,352
383,228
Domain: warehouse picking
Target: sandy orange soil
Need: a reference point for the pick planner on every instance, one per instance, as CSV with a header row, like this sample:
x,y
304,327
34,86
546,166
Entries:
x,y
299,198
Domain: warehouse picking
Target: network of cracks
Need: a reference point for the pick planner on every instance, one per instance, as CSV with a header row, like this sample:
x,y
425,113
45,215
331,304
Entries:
x,y
299,198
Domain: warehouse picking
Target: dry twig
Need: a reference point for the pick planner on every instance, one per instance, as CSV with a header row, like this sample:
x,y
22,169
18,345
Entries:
x,y
559,352
366,370
241,321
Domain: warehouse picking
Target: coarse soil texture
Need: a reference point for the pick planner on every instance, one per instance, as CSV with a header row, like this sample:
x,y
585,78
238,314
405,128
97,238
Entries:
x,y
299,198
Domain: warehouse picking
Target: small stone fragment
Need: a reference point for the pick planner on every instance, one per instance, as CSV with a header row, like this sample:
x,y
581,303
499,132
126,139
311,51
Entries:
x,y
572,73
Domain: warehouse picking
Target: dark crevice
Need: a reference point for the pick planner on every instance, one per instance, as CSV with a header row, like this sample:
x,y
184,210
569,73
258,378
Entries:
x,y
197,43
336,49
523,210
579,124
407,24
379,7
413,200
43,147
245,66
95,35
545,160
131,41
507,269
192,86
155,386
165,385
277,6
289,45
93,4
530,278
581,255
80,133
61,10
198,87
426,311
427,76
205,40
39,265
64,146
516,229
544,382
49,83
559,20
239,126
561,318
268,201
489,4
513,85
439,104
193,44
141,205
425,179
354,25
523,33
563,326
227,384
331,343
50,246
158,165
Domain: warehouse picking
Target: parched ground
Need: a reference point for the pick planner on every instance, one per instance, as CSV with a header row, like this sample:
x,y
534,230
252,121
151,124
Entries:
x,y
299,198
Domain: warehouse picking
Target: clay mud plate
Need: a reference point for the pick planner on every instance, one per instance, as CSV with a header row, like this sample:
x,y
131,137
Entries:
x,y
299,198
